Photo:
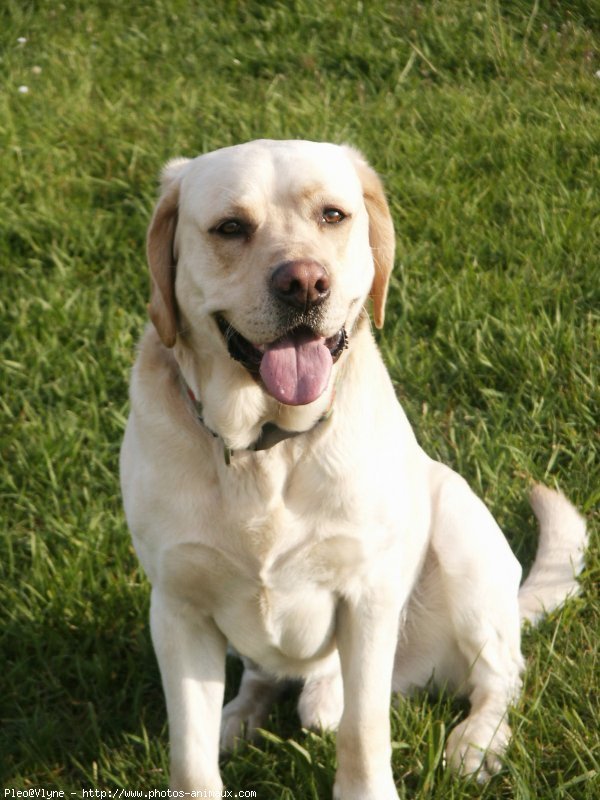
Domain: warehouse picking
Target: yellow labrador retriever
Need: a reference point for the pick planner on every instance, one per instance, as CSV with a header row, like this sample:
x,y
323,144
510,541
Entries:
x,y
277,496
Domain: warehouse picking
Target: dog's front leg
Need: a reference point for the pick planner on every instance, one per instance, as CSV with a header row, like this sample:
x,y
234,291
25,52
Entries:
x,y
367,632
191,656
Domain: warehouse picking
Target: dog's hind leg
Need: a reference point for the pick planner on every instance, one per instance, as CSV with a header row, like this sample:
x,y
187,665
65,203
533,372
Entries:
x,y
478,582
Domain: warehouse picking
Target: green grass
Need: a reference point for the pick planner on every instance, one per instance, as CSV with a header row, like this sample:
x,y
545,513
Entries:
x,y
483,119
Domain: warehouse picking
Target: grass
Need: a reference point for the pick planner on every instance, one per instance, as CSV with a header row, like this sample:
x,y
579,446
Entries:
x,y
483,119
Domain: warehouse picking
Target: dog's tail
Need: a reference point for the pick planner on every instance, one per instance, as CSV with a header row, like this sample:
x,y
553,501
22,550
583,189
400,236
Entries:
x,y
559,557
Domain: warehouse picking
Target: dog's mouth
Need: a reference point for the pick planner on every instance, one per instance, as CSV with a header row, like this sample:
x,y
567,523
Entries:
x,y
294,368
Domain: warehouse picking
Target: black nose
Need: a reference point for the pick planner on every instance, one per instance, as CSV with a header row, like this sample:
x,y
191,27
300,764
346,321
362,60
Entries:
x,y
301,283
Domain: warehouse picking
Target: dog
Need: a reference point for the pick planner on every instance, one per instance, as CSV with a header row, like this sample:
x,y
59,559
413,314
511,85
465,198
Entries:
x,y
276,494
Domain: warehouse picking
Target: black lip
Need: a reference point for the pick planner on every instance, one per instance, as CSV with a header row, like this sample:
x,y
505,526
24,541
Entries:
x,y
238,347
337,344
243,351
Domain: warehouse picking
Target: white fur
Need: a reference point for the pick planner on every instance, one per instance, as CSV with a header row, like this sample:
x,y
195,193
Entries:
x,y
559,557
344,556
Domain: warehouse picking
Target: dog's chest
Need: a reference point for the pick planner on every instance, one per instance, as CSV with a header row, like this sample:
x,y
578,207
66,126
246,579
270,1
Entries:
x,y
291,569
274,600
271,570
282,610
279,621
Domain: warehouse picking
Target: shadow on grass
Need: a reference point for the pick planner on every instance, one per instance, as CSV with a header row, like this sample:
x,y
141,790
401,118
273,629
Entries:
x,y
72,687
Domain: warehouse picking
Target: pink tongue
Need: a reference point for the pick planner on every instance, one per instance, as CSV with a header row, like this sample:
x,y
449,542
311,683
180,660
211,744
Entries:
x,y
296,369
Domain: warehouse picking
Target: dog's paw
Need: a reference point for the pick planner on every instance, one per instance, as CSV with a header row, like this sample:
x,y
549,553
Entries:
x,y
250,709
381,788
187,778
240,720
321,703
474,750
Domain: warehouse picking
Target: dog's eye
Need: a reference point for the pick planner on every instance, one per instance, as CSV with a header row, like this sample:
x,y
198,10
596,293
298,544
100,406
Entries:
x,y
333,215
231,228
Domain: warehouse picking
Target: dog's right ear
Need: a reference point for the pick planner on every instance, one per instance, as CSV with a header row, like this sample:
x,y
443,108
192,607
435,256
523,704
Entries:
x,y
160,249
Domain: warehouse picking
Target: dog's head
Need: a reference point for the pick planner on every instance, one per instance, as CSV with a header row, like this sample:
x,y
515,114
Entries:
x,y
276,247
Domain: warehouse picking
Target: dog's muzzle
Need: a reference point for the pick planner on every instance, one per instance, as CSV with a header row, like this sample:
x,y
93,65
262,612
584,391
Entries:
x,y
295,368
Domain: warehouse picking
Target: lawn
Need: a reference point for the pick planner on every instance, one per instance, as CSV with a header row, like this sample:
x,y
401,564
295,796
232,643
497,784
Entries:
x,y
483,119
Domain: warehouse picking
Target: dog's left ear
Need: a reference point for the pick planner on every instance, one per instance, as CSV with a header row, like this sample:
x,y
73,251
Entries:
x,y
381,232
160,249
